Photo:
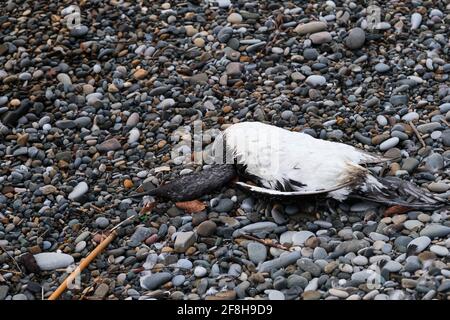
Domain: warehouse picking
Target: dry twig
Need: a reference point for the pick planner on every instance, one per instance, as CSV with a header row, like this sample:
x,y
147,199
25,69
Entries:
x,y
417,134
12,258
266,243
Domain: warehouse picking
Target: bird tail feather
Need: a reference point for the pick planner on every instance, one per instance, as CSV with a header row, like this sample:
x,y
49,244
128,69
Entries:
x,y
395,191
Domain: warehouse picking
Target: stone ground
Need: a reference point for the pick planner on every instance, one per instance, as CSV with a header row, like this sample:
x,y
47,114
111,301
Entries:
x,y
90,113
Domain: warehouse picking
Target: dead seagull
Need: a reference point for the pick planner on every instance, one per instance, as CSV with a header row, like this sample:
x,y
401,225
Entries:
x,y
282,163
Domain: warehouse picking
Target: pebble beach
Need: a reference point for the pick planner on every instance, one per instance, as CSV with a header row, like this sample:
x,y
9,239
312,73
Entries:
x,y
96,98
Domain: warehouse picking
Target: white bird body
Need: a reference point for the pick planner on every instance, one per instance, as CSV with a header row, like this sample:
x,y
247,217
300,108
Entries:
x,y
287,160
286,163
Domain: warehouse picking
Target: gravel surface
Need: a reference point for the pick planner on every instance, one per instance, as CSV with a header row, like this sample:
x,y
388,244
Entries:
x,y
90,113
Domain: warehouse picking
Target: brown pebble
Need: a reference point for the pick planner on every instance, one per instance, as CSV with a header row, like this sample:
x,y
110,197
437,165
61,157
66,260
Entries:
x,y
34,249
190,251
312,242
162,143
227,109
311,295
128,184
140,74
14,103
224,295
426,255
166,250
206,228
379,138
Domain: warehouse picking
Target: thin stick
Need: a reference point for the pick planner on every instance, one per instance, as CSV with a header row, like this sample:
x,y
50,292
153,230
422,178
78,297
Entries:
x,y
275,245
82,266
417,134
12,258
10,271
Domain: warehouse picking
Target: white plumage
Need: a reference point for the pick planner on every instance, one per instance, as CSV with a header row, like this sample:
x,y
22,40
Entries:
x,y
295,162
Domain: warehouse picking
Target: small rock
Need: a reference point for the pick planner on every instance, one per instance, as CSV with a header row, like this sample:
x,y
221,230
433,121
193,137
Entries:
x,y
156,280
200,271
52,260
79,190
355,38
434,231
257,252
109,145
234,18
315,81
184,240
206,228
310,27
420,243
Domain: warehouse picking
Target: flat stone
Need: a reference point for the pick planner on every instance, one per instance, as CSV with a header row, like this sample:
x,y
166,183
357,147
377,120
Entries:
x,y
133,119
435,231
140,234
257,252
134,135
184,240
420,243
65,124
299,238
156,280
393,266
382,68
320,37
276,295
412,224
315,81
80,189
410,164
109,145
311,295
224,205
53,260
389,143
438,187
439,250
178,280
428,127
338,293
79,31
206,228
283,261
310,27
259,227
310,54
